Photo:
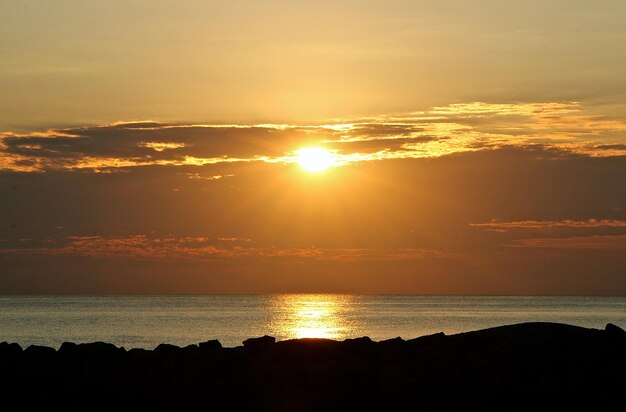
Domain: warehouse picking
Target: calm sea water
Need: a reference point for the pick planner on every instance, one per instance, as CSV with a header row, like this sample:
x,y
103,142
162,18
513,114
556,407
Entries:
x,y
146,321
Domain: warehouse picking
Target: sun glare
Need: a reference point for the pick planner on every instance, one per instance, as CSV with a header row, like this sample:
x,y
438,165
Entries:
x,y
311,316
314,159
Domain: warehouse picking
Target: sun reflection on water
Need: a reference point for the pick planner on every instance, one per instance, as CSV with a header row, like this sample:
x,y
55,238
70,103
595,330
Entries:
x,y
311,316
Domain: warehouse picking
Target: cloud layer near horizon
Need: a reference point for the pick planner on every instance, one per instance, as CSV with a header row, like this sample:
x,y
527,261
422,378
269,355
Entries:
x,y
465,198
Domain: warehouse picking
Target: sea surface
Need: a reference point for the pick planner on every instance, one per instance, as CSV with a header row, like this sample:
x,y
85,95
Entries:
x,y
146,321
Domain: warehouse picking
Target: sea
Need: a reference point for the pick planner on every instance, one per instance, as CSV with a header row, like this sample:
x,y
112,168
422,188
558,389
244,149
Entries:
x,y
147,321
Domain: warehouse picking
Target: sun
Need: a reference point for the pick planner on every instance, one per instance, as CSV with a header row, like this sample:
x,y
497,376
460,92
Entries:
x,y
314,159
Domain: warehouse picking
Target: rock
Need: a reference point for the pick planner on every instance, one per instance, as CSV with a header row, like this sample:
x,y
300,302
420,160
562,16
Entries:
x,y
307,343
614,331
139,353
515,367
67,348
167,349
361,340
210,345
428,339
10,349
36,350
190,350
98,349
357,345
264,342
365,340
394,343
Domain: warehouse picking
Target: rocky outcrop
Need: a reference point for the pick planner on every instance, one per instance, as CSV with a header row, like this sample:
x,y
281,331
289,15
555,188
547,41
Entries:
x,y
526,366
259,344
210,345
615,331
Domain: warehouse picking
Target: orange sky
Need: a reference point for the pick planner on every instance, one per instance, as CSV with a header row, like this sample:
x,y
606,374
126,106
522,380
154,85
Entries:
x,y
152,147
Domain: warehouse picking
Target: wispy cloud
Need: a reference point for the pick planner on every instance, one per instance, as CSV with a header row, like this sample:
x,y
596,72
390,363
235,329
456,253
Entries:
x,y
150,247
550,224
598,242
564,126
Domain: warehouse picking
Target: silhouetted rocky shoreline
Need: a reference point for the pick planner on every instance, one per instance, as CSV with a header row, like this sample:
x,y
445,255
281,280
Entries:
x,y
529,366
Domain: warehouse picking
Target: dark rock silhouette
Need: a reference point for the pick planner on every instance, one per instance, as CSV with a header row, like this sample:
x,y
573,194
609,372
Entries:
x,y
67,348
210,345
615,331
8,349
519,367
259,344
39,351
167,349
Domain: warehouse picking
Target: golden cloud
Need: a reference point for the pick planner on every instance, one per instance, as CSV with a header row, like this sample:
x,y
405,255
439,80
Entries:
x,y
569,127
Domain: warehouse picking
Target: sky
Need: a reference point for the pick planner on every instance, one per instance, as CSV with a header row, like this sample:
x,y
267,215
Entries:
x,y
477,147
